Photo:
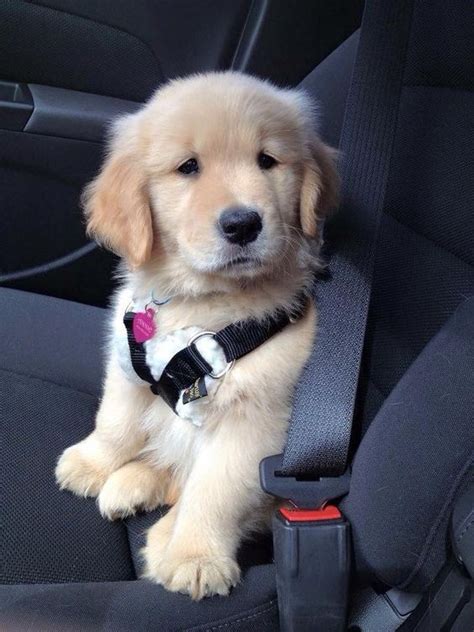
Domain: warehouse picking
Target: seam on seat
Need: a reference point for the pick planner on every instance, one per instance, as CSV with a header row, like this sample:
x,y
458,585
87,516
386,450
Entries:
x,y
384,393
46,381
429,239
447,506
223,623
465,530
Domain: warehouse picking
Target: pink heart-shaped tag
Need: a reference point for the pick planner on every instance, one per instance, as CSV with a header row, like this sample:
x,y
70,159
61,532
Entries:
x,y
143,326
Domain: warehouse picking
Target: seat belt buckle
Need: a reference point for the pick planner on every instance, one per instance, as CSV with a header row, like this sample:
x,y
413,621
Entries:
x,y
312,559
312,550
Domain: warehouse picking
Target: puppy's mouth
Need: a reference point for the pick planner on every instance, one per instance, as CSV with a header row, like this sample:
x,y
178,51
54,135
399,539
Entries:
x,y
242,262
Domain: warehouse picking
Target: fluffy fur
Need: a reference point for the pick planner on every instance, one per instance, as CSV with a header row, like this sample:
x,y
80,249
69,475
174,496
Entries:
x,y
163,224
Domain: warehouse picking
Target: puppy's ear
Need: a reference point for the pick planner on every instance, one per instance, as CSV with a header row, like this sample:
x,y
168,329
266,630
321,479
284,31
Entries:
x,y
116,203
320,186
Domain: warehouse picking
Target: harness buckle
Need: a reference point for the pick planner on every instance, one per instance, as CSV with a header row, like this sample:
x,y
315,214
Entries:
x,y
312,550
212,334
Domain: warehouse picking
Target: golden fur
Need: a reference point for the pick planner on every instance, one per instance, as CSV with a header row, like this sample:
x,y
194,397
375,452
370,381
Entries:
x,y
163,224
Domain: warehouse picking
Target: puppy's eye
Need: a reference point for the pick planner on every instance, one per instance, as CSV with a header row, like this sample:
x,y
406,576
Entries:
x,y
265,161
189,167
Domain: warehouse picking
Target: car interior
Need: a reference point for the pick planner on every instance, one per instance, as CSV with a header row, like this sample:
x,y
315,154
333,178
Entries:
x,y
389,388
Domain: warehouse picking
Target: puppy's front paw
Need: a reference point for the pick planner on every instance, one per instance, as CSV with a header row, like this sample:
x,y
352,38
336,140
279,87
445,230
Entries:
x,y
79,472
201,576
197,575
135,486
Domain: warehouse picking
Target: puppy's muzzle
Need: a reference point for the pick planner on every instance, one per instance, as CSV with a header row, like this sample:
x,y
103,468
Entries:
x,y
240,225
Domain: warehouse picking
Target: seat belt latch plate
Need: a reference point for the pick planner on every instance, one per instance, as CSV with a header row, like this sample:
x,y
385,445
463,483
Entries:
x,y
301,492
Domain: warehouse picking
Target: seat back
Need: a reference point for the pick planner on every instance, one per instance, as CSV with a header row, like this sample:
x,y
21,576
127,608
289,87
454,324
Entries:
x,y
415,399
425,260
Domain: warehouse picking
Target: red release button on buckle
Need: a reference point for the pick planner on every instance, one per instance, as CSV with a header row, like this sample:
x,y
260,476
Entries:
x,y
329,512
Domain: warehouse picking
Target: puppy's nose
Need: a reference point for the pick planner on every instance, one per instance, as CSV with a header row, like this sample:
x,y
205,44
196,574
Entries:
x,y
240,225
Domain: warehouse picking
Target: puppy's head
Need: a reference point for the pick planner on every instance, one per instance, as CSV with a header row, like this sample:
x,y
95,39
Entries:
x,y
221,173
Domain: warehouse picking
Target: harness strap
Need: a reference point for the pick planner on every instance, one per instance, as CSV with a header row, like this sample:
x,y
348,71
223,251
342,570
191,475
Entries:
x,y
188,365
242,337
137,351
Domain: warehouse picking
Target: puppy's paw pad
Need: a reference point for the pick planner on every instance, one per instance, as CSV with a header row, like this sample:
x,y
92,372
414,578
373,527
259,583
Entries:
x,y
78,473
197,576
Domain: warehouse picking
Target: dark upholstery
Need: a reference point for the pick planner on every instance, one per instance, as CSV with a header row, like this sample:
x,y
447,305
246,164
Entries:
x,y
424,267
330,94
120,49
406,465
126,48
411,463
50,376
53,340
416,457
138,606
123,65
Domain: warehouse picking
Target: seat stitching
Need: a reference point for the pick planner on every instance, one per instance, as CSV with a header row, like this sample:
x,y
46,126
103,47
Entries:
x,y
46,381
269,606
437,86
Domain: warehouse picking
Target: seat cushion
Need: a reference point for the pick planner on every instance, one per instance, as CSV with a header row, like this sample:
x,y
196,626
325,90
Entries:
x,y
53,340
138,605
62,566
49,376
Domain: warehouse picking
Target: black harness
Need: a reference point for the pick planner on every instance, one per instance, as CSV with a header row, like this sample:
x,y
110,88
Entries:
x,y
187,368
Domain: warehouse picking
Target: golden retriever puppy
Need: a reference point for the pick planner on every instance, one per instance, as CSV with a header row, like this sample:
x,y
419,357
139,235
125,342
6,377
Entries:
x,y
211,194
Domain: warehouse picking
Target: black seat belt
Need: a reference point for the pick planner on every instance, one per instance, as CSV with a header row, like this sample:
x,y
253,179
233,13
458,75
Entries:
x,y
312,469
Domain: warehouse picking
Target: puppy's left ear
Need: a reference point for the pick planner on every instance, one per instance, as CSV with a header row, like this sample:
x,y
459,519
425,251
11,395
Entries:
x,y
320,187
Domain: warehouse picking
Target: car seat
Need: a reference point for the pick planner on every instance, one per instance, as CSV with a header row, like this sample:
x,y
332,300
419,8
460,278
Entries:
x,y
64,568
